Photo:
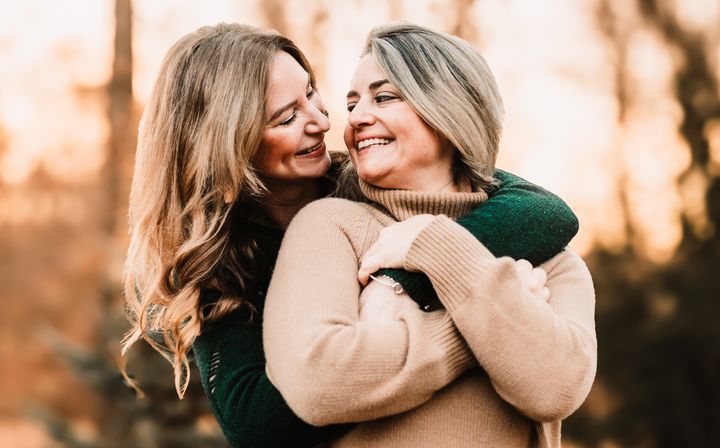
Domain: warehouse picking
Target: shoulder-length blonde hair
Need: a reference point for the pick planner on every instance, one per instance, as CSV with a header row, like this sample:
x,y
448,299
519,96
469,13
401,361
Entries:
x,y
451,88
199,136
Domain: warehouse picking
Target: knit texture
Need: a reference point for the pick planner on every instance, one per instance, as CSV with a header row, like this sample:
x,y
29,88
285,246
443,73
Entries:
x,y
229,353
519,212
410,377
230,357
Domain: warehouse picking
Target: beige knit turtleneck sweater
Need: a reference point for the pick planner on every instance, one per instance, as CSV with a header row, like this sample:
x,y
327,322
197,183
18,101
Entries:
x,y
416,382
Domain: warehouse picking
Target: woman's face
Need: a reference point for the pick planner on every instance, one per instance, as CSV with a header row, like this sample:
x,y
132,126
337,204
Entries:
x,y
390,145
293,140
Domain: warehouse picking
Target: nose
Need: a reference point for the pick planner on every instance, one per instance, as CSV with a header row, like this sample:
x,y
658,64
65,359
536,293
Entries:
x,y
360,116
319,122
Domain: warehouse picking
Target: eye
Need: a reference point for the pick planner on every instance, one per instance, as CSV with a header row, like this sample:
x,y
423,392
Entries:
x,y
310,93
290,120
384,97
351,106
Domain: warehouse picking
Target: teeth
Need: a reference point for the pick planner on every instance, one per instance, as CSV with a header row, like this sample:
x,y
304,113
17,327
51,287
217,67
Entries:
x,y
372,141
309,150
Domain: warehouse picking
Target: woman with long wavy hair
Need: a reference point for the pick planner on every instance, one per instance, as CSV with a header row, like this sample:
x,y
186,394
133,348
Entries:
x,y
230,148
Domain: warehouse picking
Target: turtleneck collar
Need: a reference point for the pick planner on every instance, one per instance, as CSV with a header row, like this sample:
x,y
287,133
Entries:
x,y
404,204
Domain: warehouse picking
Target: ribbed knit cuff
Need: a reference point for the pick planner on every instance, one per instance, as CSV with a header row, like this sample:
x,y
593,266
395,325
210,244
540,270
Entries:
x,y
443,332
451,256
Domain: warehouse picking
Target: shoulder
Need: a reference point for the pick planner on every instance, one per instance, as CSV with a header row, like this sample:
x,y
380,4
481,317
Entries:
x,y
330,213
335,208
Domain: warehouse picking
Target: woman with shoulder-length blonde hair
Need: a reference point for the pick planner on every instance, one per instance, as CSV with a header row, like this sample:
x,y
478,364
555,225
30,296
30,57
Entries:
x,y
231,147
423,131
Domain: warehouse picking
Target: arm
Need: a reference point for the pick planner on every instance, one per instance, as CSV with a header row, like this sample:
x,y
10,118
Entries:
x,y
541,357
329,366
249,409
520,220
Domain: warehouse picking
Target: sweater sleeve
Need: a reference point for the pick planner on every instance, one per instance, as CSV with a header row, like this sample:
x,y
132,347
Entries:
x,y
329,366
519,220
250,410
540,357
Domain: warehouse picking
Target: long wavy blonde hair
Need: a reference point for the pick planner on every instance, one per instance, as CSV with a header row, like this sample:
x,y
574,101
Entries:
x,y
199,136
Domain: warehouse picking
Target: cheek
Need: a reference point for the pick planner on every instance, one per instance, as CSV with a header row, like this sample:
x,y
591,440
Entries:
x,y
350,144
348,137
272,151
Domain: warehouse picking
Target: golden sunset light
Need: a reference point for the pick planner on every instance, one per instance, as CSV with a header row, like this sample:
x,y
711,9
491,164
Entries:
x,y
612,105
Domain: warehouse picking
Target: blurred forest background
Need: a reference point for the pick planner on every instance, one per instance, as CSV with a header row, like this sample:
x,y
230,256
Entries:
x,y
612,104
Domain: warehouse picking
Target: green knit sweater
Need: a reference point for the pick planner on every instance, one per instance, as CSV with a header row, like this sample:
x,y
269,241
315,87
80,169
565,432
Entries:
x,y
520,220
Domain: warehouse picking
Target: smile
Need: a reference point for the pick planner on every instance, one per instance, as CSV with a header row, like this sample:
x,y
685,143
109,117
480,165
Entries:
x,y
372,141
314,150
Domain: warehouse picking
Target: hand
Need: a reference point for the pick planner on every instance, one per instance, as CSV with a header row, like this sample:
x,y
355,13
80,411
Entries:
x,y
392,246
533,280
379,302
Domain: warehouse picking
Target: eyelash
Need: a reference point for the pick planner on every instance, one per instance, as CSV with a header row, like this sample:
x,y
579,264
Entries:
x,y
378,99
311,93
290,120
385,97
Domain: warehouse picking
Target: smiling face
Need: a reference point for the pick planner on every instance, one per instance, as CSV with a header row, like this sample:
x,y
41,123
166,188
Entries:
x,y
390,145
293,139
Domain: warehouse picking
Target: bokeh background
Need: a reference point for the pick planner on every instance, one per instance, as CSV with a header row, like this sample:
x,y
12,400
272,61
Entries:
x,y
612,104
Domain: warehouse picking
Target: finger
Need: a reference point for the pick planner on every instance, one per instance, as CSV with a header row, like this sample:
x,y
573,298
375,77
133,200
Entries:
x,y
545,294
363,276
367,267
539,278
523,266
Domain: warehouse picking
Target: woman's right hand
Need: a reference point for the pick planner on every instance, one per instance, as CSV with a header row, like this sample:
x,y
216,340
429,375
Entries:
x,y
379,302
532,280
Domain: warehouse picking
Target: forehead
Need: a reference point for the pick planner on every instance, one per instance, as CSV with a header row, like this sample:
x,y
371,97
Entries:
x,y
366,72
285,77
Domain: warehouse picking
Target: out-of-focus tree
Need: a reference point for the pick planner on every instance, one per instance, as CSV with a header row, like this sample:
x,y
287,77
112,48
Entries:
x,y
156,418
659,344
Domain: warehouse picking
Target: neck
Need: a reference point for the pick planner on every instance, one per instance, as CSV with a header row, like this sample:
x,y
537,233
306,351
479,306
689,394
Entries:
x,y
287,198
462,186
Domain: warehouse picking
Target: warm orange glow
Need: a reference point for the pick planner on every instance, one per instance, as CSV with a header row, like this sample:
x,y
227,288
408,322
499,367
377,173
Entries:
x,y
592,114
562,129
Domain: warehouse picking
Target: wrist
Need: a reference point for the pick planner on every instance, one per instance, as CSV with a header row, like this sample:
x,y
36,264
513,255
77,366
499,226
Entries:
x,y
388,281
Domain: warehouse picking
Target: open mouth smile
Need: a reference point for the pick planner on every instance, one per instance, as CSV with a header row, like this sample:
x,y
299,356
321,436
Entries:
x,y
363,144
312,151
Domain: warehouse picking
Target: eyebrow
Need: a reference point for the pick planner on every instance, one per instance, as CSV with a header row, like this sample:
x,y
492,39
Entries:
x,y
373,85
289,105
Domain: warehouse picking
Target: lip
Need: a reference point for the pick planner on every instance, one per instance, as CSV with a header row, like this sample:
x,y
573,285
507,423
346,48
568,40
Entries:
x,y
317,152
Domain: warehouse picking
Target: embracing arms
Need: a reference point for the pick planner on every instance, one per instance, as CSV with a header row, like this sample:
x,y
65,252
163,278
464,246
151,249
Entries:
x,y
540,356
520,220
329,366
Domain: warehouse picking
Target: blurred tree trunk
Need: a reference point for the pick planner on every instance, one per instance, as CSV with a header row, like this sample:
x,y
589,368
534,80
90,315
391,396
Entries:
x,y
696,85
659,347
114,420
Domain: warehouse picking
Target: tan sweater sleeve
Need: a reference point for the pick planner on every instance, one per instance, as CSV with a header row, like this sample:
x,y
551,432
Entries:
x,y
329,367
540,357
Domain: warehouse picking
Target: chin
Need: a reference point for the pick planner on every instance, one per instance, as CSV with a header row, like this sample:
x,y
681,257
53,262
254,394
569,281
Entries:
x,y
320,169
373,174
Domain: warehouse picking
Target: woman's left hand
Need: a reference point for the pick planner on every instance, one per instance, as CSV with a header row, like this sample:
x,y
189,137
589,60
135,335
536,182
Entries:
x,y
392,246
